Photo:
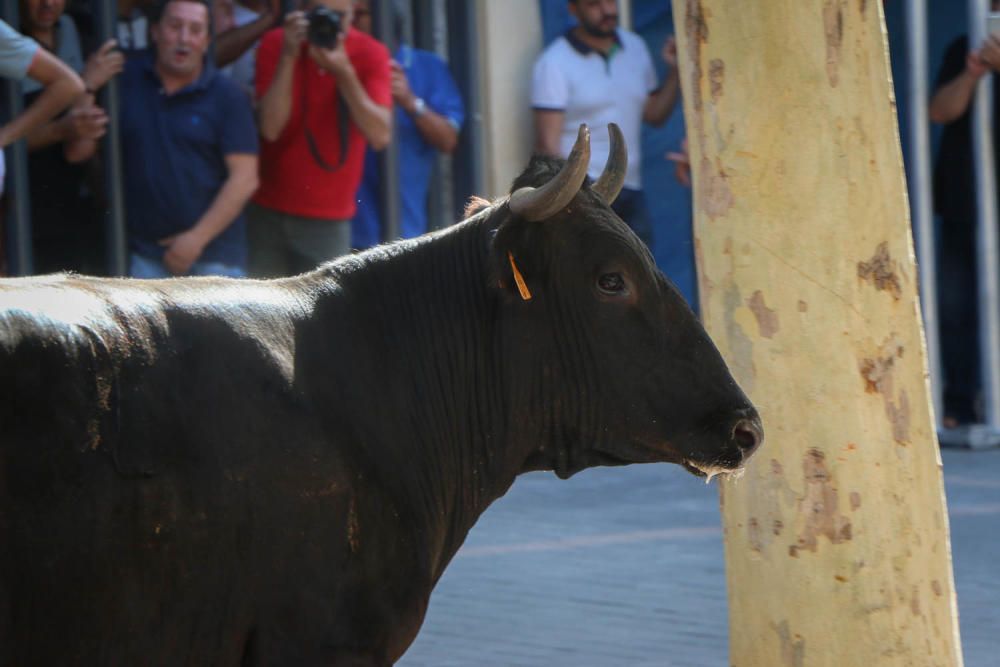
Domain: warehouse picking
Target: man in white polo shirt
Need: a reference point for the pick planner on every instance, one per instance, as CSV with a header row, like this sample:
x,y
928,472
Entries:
x,y
598,73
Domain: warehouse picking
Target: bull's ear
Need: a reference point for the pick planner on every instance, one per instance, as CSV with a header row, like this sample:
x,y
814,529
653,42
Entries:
x,y
475,205
518,258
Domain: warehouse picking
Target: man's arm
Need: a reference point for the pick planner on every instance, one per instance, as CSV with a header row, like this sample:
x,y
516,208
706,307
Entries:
x,y
951,100
436,129
185,248
374,120
61,87
233,43
84,123
661,102
548,131
276,104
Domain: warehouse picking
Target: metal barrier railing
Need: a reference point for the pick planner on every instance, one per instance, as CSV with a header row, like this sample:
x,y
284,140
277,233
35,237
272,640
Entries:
x,y
389,158
919,170
988,273
111,147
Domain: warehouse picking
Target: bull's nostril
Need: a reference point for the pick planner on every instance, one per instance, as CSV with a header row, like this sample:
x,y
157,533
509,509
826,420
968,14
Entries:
x,y
748,435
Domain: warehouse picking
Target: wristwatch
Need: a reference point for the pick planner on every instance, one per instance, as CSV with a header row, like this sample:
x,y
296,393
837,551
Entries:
x,y
419,107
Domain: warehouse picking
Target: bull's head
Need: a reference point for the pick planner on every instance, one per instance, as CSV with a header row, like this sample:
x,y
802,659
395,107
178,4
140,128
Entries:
x,y
624,369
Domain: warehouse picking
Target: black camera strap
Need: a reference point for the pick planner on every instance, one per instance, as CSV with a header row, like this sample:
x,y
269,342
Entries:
x,y
343,127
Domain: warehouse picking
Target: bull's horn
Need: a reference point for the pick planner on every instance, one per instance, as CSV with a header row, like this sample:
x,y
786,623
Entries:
x,y
613,178
538,204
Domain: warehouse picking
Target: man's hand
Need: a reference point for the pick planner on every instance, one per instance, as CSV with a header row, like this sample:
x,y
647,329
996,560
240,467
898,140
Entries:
x,y
989,53
974,66
682,164
401,92
183,250
85,121
333,60
295,33
102,65
669,52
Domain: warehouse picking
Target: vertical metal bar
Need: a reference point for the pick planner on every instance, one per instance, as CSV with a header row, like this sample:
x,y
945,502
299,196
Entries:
x,y
439,28
111,148
474,113
389,158
986,237
625,14
920,189
407,35
441,209
19,256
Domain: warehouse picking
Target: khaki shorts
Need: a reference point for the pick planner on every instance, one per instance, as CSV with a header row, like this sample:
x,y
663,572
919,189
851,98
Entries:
x,y
286,245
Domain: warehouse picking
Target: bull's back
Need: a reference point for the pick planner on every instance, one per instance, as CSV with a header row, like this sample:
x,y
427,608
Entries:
x,y
148,480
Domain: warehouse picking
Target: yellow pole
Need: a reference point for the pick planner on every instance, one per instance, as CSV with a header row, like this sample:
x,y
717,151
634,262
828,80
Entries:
x,y
837,543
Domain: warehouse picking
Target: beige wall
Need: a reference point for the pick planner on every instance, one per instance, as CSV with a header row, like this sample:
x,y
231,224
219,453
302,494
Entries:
x,y
510,34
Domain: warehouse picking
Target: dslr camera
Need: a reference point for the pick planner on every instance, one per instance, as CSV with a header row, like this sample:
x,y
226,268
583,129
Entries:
x,y
325,26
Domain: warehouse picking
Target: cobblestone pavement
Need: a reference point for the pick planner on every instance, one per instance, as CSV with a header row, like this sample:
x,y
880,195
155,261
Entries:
x,y
624,566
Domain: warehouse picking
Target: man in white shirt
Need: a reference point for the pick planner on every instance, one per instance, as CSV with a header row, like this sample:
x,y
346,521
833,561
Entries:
x,y
598,73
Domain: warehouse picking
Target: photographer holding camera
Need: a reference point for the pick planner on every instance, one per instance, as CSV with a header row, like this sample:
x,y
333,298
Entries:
x,y
324,93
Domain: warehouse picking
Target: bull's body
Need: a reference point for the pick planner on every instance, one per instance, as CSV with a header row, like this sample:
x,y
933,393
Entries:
x,y
237,472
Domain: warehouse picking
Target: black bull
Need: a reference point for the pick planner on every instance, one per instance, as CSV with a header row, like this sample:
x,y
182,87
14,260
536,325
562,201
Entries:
x,y
210,471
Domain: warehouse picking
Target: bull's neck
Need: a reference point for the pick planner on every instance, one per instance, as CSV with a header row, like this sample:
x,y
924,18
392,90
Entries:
x,y
436,325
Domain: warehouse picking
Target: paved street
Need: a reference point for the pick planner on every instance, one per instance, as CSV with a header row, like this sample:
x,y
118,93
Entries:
x,y
625,567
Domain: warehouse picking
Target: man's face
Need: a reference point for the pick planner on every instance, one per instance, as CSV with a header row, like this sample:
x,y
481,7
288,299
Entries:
x,y
182,37
363,16
43,14
598,18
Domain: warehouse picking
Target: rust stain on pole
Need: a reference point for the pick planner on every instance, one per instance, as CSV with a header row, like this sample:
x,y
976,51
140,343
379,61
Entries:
x,y
881,271
833,28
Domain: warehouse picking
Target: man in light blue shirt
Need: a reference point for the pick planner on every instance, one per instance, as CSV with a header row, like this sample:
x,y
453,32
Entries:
x,y
429,114
21,56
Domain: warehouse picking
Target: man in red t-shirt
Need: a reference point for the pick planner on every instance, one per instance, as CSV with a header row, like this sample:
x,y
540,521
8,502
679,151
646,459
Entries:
x,y
318,108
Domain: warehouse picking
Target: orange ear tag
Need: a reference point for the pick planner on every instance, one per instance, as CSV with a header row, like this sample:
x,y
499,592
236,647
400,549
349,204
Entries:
x,y
522,286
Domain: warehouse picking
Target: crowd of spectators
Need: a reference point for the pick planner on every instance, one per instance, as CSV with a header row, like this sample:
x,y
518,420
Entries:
x,y
257,153
250,145
247,156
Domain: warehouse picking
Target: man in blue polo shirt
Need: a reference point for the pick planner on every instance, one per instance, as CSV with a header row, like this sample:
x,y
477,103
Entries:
x,y
190,153
429,115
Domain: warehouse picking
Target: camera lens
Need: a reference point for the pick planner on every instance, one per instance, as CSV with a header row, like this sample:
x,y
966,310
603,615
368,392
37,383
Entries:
x,y
325,25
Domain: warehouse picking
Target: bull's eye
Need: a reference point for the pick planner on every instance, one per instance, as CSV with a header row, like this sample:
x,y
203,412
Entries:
x,y
612,284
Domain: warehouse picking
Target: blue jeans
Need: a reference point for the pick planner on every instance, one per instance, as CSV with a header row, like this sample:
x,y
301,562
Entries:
x,y
144,267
